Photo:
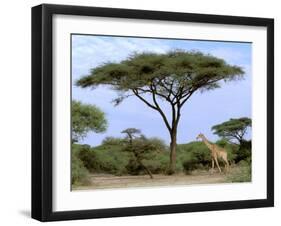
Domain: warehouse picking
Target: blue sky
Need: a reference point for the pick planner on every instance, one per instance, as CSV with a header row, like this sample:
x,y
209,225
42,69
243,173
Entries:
x,y
199,114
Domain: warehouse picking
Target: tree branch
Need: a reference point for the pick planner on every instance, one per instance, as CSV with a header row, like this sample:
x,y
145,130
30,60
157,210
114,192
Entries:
x,y
187,97
160,111
144,100
156,107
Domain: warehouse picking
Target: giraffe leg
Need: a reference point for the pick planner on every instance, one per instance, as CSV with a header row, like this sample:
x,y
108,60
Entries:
x,y
226,164
213,165
216,160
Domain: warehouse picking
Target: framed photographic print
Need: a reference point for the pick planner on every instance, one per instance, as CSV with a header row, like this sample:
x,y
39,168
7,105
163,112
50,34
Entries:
x,y
145,112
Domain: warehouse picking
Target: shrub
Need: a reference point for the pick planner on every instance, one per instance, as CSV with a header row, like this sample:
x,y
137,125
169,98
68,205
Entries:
x,y
194,152
113,141
243,154
157,144
145,155
111,159
133,167
190,165
79,174
241,173
102,159
159,163
89,159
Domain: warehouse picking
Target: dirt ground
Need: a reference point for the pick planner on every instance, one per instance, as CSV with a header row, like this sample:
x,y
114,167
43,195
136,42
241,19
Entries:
x,y
105,181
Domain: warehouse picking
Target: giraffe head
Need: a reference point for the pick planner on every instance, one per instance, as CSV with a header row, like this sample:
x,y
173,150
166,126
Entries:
x,y
200,136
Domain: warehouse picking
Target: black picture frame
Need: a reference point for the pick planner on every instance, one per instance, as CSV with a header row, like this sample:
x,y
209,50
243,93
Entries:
x,y
42,111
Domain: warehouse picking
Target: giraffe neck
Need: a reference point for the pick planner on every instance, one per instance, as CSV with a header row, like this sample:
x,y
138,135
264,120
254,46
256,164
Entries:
x,y
208,144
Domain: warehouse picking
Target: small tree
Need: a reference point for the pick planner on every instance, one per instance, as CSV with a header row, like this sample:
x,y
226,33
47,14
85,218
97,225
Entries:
x,y
172,77
140,147
131,133
85,118
233,129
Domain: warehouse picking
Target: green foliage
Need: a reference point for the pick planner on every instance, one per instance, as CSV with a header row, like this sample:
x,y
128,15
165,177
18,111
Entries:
x,y
190,165
155,157
193,153
116,156
131,133
89,158
183,69
133,167
79,174
110,159
142,149
159,163
113,141
233,129
102,159
157,144
85,118
244,151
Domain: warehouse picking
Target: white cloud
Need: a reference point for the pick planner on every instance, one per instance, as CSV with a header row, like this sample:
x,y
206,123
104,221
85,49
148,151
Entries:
x,y
90,51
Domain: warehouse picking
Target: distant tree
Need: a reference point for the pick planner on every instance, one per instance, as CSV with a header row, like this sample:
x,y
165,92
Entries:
x,y
131,133
233,129
172,77
86,118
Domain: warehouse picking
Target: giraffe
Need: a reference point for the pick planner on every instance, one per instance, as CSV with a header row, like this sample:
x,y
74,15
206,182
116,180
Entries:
x,y
216,152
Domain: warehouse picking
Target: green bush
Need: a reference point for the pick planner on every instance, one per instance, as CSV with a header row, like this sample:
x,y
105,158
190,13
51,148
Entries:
x,y
89,159
190,165
159,163
243,154
146,153
241,173
133,167
195,153
102,159
79,174
113,141
111,159
157,144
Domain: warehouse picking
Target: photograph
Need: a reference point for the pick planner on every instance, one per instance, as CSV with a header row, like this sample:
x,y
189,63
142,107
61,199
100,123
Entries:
x,y
154,112
144,112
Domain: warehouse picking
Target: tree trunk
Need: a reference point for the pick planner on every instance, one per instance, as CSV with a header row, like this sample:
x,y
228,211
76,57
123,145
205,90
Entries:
x,y
146,169
173,146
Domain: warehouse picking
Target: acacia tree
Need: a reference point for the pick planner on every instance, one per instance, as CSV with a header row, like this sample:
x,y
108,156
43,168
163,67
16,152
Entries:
x,y
131,133
172,77
233,129
85,118
141,147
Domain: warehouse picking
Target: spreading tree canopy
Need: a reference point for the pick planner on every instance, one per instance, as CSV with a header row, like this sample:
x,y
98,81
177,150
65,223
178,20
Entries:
x,y
131,133
86,118
233,129
172,77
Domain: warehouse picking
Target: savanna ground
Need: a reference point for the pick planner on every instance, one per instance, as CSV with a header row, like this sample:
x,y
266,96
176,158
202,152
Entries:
x,y
98,181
